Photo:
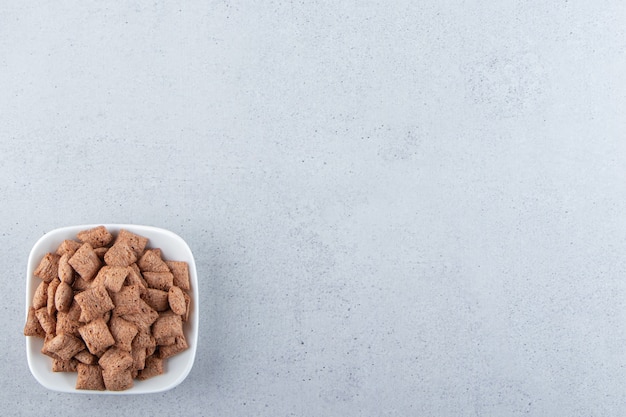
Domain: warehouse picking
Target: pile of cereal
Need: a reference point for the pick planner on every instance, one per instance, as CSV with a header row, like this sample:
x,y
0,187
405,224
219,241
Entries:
x,y
109,308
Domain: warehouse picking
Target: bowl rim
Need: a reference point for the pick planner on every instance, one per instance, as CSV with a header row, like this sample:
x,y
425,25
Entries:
x,y
69,232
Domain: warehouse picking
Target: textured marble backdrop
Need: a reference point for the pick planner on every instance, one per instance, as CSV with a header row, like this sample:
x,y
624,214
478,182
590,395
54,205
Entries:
x,y
397,208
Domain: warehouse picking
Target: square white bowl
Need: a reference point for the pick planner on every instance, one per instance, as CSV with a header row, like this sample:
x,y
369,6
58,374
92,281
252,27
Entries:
x,y
176,367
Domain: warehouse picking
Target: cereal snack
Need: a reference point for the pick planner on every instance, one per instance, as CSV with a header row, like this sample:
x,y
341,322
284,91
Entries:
x,y
109,308
48,267
180,270
157,299
85,261
151,261
97,237
176,300
89,377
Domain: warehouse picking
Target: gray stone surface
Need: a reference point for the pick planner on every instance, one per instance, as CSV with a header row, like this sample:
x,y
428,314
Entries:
x,y
396,208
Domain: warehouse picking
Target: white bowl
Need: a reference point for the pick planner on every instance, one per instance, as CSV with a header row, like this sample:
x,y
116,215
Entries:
x,y
176,367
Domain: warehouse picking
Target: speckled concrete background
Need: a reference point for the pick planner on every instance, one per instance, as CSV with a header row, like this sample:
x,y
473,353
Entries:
x,y
397,208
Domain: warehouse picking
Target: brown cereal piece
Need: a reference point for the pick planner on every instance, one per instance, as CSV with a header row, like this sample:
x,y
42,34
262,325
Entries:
x,y
144,339
63,297
99,278
69,247
97,237
115,277
94,303
144,318
89,377
139,359
86,358
80,283
136,242
117,381
101,252
48,267
97,336
52,288
66,273
115,359
187,306
156,299
127,300
176,300
64,365
65,346
47,321
180,270
159,280
123,332
67,322
33,326
135,278
85,261
151,261
167,325
120,254
112,277
170,350
40,299
166,341
46,343
154,367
